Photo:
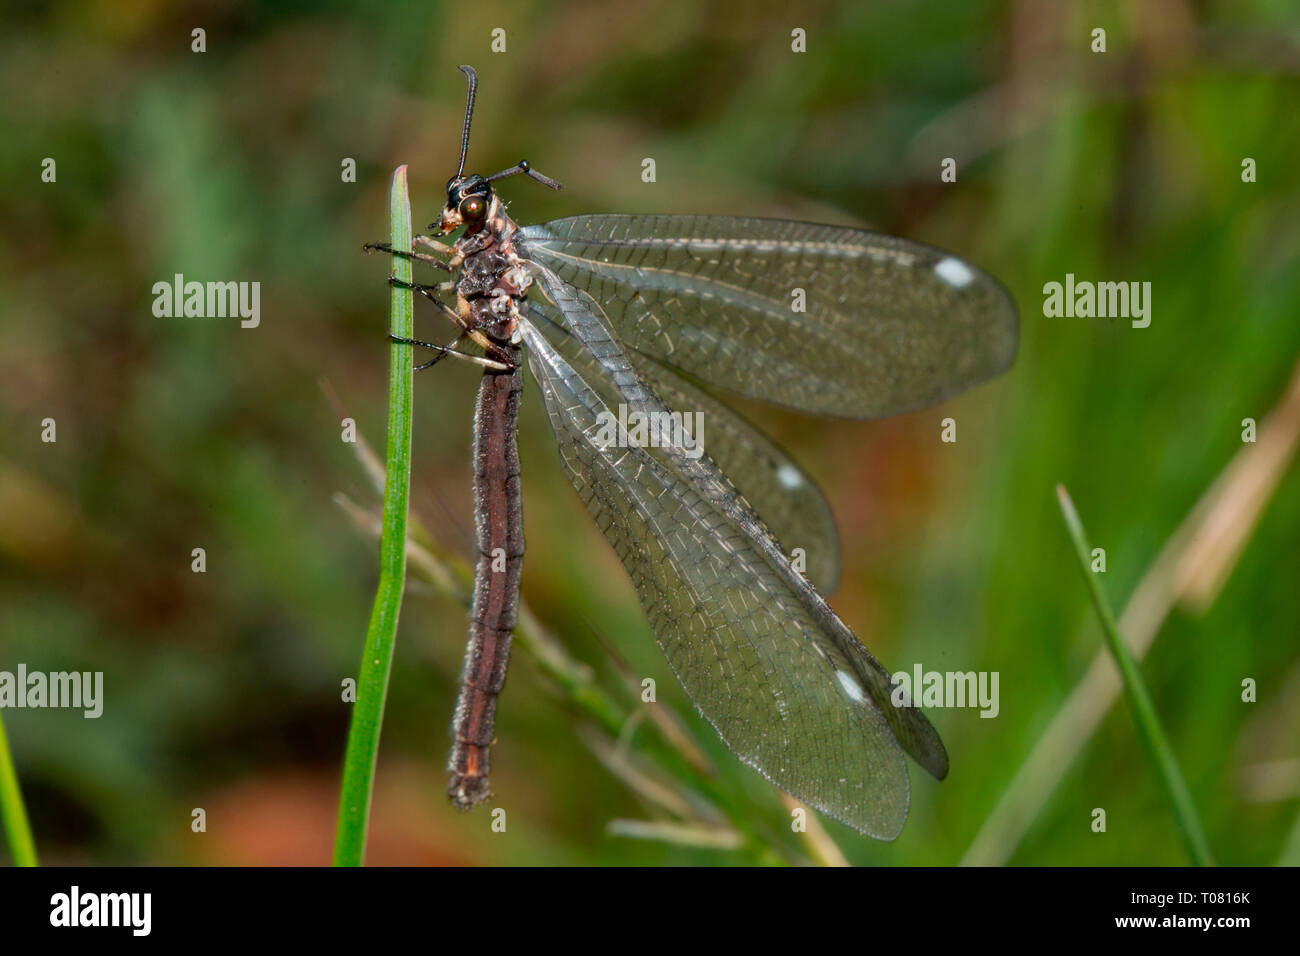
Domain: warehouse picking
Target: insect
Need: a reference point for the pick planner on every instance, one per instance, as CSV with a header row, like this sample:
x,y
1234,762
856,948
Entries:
x,y
617,311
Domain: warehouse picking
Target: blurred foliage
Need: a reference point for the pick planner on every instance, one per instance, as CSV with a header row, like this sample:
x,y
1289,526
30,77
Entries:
x,y
223,688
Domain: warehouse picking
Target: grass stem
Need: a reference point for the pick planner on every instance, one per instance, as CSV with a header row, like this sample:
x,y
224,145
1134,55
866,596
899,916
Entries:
x,y
376,663
18,832
1154,744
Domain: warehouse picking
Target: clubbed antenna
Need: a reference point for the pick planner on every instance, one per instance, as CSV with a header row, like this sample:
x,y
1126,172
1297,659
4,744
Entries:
x,y
469,114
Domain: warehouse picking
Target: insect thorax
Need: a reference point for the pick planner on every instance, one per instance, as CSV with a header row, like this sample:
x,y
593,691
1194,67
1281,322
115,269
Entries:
x,y
493,277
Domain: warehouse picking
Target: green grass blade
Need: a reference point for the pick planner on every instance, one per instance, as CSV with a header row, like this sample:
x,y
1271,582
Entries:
x,y
372,684
18,833
1154,744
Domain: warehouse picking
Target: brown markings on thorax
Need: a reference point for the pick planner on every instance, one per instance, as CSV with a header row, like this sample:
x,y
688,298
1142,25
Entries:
x,y
493,278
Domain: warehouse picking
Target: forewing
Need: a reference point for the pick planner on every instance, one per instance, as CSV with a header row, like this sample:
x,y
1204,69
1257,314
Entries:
x,y
587,321
789,501
738,639
856,680
888,325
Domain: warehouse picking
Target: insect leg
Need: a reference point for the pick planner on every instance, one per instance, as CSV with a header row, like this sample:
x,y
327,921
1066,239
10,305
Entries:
x,y
421,288
440,248
498,359
416,256
450,349
428,292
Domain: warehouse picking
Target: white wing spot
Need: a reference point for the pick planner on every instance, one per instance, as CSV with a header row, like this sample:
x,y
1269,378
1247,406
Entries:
x,y
954,272
789,477
851,687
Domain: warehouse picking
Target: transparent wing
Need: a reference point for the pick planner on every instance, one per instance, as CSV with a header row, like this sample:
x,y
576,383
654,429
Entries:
x,y
888,325
789,501
766,661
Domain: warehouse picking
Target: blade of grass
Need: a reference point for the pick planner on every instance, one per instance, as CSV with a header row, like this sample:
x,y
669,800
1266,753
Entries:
x,y
1291,851
1150,735
18,833
823,850
376,662
1255,470
679,834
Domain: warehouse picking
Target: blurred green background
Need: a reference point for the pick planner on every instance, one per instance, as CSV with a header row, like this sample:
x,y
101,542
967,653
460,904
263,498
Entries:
x,y
222,689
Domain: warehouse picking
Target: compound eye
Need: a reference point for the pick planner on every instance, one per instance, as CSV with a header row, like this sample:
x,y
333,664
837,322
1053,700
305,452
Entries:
x,y
473,209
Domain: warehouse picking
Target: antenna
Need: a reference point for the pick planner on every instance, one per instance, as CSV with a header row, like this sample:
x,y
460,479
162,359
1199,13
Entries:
x,y
469,113
520,167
